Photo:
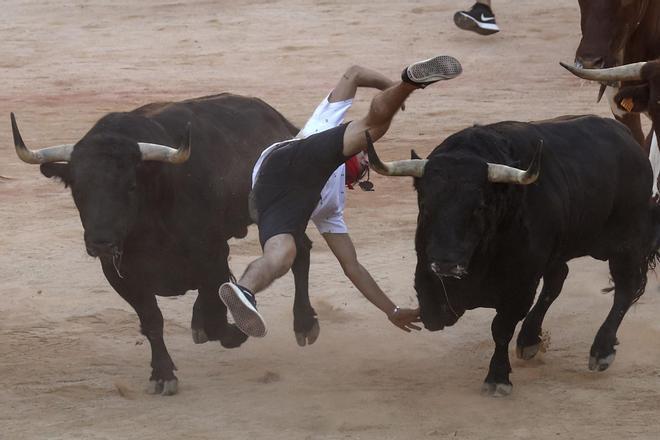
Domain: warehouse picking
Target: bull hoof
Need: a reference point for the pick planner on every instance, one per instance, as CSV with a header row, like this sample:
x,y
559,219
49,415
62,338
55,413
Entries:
x,y
310,336
527,353
163,387
199,336
496,389
232,337
602,363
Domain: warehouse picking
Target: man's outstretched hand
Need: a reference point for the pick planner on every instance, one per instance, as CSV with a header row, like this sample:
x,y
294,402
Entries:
x,y
404,319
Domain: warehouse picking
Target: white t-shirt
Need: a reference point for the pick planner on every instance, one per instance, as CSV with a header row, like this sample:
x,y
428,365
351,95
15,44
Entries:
x,y
328,216
654,157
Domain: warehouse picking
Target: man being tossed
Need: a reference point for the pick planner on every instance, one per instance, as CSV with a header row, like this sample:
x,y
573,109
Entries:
x,y
302,179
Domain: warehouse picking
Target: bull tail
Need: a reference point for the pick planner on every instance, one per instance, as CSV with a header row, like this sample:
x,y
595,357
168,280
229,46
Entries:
x,y
649,263
651,260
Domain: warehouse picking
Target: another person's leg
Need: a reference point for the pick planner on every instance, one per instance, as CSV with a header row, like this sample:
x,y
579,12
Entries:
x,y
386,104
479,19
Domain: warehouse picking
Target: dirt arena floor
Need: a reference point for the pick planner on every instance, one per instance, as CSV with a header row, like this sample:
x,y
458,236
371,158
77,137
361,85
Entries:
x,y
72,362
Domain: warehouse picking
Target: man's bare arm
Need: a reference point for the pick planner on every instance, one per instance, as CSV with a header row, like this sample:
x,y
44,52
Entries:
x,y
342,246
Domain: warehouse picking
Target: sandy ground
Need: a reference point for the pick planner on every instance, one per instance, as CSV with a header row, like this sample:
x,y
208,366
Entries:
x,y
72,362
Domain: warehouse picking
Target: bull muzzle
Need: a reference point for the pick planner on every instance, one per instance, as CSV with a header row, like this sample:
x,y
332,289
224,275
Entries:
x,y
107,251
595,62
101,248
441,270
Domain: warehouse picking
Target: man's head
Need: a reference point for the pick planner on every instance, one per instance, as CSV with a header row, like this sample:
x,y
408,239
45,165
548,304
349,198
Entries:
x,y
356,167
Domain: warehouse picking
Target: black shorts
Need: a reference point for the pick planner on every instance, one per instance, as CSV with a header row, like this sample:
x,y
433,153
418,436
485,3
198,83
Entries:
x,y
290,181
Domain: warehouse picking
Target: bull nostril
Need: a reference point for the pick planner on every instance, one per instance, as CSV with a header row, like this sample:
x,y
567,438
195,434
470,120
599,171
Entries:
x,y
444,270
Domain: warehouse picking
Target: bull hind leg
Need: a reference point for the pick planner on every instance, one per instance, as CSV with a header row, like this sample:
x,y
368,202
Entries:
x,y
629,276
305,324
209,321
529,338
209,317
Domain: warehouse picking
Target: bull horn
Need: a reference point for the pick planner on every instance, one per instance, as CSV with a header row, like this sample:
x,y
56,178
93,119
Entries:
x,y
163,153
505,174
59,153
414,167
627,72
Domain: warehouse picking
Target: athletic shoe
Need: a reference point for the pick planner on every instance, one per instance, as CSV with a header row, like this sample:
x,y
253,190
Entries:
x,y
423,73
479,19
242,305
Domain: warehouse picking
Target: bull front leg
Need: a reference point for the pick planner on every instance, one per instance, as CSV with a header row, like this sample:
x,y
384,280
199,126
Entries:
x,y
162,379
497,381
305,323
513,310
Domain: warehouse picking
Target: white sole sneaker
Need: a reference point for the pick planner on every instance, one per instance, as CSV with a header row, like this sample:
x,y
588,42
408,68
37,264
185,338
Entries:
x,y
246,317
469,23
443,67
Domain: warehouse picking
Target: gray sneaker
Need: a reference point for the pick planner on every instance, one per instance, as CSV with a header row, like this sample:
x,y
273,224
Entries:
x,y
242,305
423,73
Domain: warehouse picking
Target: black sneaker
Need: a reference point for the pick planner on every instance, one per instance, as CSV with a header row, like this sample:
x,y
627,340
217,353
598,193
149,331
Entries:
x,y
242,305
423,73
479,19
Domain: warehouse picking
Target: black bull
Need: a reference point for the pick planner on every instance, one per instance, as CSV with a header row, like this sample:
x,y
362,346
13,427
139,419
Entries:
x,y
482,242
159,218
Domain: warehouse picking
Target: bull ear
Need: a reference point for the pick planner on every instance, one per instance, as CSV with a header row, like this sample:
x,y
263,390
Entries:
x,y
633,98
57,170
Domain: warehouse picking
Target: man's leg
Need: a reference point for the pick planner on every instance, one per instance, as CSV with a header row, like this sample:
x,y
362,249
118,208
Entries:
x,y
277,259
385,104
279,253
354,77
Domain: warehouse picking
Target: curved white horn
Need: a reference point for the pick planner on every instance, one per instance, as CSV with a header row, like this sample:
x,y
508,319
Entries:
x,y
58,153
505,174
627,72
163,153
413,167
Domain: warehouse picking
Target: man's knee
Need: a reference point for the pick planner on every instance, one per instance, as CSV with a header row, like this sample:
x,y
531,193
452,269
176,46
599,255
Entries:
x,y
352,73
280,252
283,262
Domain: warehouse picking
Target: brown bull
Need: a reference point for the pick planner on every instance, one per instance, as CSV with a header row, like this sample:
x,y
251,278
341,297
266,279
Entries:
x,y
635,98
616,32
